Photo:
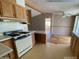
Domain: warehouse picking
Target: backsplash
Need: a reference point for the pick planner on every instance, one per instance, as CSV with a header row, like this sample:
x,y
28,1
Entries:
x,y
11,26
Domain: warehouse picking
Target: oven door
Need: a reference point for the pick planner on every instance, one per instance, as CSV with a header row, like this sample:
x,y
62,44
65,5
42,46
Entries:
x,y
23,45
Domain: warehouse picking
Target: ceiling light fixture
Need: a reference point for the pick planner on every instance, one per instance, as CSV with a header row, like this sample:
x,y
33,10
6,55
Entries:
x,y
66,15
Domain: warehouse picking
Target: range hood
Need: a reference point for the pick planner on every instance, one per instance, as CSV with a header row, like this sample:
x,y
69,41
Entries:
x,y
6,19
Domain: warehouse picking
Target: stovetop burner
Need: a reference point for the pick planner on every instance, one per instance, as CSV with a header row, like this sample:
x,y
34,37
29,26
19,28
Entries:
x,y
15,33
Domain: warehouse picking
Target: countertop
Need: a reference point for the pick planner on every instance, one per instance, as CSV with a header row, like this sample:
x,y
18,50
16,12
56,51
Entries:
x,y
3,38
40,32
4,50
76,34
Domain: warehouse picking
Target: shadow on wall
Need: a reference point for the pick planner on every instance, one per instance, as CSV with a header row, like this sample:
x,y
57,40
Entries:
x,y
38,23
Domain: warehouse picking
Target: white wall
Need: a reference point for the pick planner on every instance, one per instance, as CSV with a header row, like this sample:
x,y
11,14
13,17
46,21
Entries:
x,y
35,13
11,26
38,23
62,26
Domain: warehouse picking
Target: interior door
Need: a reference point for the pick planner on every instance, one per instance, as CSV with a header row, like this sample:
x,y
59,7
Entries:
x,y
48,28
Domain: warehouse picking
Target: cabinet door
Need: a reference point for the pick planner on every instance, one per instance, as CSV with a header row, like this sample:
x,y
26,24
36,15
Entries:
x,y
0,8
76,47
10,1
33,39
73,41
10,44
24,13
29,16
19,12
7,9
40,38
6,56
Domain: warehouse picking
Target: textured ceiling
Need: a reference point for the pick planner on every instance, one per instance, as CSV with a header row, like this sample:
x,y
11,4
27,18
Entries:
x,y
56,6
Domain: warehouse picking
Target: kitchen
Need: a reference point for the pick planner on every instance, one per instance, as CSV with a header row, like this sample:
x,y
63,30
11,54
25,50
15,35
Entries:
x,y
24,27
15,38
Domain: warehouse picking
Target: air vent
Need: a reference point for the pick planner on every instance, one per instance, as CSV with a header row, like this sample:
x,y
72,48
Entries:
x,y
61,0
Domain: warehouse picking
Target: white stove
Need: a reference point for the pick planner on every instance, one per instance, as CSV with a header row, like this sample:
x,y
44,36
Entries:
x,y
23,45
23,41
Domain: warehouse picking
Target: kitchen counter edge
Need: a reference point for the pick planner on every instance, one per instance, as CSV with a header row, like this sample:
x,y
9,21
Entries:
x,y
3,38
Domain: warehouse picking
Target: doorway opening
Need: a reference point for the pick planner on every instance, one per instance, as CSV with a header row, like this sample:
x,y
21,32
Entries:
x,y
48,29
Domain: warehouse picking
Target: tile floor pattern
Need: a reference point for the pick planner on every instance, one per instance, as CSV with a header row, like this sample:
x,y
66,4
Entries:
x,y
49,51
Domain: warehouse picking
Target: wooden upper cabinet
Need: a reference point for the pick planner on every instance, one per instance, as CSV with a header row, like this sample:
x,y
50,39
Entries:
x,y
7,9
29,16
24,11
0,8
20,12
12,10
10,1
19,2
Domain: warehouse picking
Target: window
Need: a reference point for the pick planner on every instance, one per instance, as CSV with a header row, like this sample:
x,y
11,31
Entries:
x,y
76,26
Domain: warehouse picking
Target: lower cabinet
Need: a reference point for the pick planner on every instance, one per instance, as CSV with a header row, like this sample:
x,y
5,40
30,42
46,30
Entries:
x,y
77,48
10,1
33,39
75,45
11,44
5,57
40,38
